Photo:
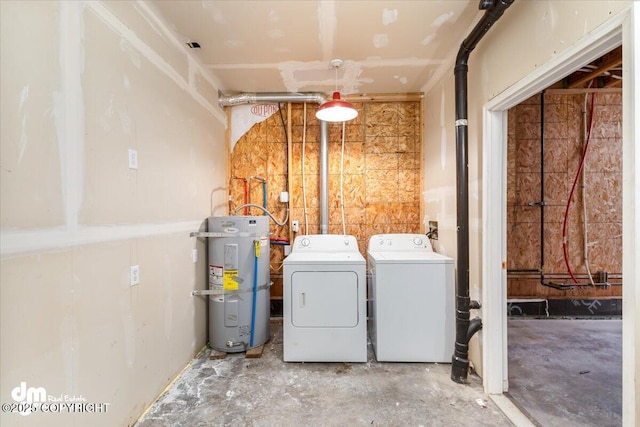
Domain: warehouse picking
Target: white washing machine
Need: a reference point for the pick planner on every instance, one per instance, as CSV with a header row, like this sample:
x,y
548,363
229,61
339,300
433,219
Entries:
x,y
324,301
411,300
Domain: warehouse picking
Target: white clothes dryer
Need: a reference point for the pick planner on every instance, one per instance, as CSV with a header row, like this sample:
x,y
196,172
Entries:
x,y
324,300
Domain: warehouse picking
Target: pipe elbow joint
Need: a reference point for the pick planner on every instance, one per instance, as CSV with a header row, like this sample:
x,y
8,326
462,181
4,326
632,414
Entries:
x,y
474,326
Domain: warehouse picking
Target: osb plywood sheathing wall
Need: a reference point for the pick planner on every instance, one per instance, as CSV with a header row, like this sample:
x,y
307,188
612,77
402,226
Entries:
x,y
603,176
382,177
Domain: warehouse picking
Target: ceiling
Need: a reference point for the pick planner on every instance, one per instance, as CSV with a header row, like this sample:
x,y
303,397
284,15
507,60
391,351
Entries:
x,y
287,46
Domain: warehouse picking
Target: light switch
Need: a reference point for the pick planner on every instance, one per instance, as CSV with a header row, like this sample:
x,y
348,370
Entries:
x,y
135,275
133,159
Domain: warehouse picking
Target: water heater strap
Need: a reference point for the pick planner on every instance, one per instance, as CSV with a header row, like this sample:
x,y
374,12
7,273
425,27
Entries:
x,y
248,291
226,235
204,292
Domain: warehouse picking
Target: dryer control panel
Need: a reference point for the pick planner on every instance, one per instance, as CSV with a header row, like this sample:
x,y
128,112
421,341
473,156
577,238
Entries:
x,y
326,243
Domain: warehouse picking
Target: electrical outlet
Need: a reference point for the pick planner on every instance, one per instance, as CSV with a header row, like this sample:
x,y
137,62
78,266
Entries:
x,y
433,230
295,226
194,255
133,159
134,279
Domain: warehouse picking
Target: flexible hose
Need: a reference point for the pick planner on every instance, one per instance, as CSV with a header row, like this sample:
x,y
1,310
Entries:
x,y
573,188
344,225
252,205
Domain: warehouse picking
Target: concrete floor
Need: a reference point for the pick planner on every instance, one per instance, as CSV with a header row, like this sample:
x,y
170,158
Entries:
x,y
268,392
567,372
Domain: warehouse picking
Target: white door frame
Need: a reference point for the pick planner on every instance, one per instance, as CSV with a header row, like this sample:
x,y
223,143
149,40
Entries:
x,y
623,27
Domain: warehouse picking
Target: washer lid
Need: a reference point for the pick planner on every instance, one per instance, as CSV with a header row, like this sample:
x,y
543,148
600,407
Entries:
x,y
409,257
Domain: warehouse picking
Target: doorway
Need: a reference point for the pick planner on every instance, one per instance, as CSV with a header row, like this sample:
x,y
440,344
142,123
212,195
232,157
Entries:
x,y
604,39
564,244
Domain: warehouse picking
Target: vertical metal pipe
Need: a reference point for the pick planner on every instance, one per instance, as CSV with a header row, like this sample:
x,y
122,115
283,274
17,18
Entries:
x,y
324,177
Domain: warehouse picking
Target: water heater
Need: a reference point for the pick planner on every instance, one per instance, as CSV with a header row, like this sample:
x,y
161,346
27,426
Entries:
x,y
240,282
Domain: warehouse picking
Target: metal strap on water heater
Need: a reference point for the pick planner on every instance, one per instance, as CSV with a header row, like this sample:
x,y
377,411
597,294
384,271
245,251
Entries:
x,y
209,234
205,292
206,234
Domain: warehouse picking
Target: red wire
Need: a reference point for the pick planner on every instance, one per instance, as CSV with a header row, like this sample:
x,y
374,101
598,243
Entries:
x,y
573,188
246,196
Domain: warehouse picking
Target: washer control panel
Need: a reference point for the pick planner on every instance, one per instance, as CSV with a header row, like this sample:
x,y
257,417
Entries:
x,y
399,242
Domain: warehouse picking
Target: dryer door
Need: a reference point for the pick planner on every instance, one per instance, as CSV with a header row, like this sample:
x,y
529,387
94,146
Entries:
x,y
324,299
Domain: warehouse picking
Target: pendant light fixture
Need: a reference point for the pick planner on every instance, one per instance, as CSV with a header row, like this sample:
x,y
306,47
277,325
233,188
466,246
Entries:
x,y
336,109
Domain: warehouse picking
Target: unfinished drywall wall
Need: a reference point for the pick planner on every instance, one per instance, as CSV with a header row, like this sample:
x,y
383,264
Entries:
x,y
563,145
83,83
541,29
381,172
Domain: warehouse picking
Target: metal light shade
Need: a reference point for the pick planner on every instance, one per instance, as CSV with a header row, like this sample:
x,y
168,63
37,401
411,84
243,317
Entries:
x,y
336,110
